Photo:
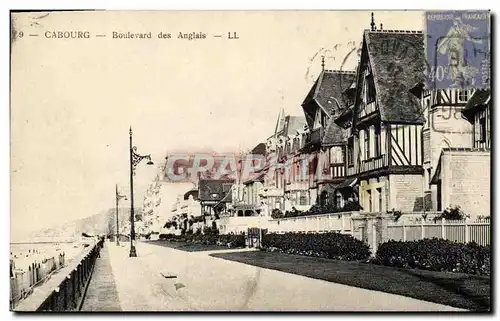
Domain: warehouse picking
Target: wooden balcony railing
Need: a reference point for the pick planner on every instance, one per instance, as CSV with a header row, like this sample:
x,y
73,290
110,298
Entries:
x,y
369,165
337,170
374,163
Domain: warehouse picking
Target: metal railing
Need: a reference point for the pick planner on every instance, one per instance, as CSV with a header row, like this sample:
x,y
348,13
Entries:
x,y
66,288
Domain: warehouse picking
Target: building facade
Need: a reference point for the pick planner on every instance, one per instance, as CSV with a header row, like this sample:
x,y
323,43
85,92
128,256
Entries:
x,y
325,146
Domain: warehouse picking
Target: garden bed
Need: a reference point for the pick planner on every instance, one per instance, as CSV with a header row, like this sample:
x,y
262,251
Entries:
x,y
201,242
435,255
327,245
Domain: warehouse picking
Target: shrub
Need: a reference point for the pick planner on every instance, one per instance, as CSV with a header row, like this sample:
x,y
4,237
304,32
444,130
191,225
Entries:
x,y
276,213
229,240
452,213
435,255
232,240
327,245
207,230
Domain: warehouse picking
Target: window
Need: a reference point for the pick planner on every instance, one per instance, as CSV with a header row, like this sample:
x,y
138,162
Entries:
x,y
482,129
350,154
377,151
379,192
369,200
323,198
370,89
367,144
338,200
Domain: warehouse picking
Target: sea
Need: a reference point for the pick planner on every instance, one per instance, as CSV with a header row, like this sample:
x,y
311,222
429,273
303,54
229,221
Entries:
x,y
23,254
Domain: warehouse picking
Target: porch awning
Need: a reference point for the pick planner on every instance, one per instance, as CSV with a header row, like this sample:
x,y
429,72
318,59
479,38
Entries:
x,y
350,182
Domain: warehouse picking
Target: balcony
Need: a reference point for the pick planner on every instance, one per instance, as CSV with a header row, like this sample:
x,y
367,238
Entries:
x,y
369,165
337,170
374,163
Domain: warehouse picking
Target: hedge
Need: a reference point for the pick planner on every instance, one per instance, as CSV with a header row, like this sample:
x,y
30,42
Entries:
x,y
435,255
229,240
328,245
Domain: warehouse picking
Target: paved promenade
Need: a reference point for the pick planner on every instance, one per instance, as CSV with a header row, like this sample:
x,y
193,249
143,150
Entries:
x,y
206,283
101,293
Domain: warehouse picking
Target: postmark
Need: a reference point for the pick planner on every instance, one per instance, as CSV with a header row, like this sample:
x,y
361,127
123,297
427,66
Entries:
x,y
405,65
395,56
458,47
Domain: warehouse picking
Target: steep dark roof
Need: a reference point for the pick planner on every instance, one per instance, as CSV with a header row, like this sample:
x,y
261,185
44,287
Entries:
x,y
334,134
193,192
291,124
214,189
329,87
480,97
398,64
256,177
260,149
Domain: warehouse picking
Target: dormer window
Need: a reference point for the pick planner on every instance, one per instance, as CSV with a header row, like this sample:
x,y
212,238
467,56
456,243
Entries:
x,y
370,89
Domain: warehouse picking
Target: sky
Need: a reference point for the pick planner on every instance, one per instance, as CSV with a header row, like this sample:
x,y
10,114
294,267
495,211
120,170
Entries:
x,y
73,100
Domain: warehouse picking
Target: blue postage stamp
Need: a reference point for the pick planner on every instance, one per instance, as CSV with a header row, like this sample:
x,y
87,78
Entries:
x,y
458,49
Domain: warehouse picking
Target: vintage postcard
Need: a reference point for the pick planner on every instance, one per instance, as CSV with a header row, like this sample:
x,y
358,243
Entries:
x,y
251,161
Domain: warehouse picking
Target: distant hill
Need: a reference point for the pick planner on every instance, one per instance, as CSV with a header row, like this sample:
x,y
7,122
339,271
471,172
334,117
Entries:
x,y
103,222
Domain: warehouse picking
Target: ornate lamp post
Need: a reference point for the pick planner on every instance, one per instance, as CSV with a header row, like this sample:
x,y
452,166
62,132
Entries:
x,y
118,197
135,159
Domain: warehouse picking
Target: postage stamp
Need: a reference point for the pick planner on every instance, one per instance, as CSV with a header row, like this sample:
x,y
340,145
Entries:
x,y
458,49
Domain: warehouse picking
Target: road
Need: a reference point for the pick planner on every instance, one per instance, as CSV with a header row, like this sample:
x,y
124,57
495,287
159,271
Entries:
x,y
205,283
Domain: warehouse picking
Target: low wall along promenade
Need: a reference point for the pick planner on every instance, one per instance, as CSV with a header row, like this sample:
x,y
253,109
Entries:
x,y
61,290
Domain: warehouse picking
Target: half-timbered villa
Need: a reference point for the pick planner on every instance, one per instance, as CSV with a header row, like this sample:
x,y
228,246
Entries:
x,y
326,142
384,150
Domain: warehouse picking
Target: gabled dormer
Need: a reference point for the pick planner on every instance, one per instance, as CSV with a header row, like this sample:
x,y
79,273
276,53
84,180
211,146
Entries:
x,y
325,100
386,118
391,65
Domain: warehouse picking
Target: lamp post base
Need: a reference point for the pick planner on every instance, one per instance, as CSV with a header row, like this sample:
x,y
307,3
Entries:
x,y
132,253
117,242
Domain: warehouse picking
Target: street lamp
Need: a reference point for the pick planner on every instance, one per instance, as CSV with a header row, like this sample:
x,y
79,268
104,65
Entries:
x,y
118,197
135,159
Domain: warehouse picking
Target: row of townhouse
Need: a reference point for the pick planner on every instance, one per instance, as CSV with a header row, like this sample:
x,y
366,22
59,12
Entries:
x,y
372,140
379,138
401,145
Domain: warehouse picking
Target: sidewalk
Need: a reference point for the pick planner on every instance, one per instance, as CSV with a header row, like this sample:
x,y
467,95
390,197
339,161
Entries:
x,y
101,293
164,279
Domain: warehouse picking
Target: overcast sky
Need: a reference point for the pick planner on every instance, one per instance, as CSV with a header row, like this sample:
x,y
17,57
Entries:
x,y
73,100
